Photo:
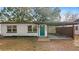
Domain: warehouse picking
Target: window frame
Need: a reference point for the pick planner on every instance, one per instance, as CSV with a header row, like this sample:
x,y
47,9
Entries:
x,y
32,28
29,30
12,29
76,28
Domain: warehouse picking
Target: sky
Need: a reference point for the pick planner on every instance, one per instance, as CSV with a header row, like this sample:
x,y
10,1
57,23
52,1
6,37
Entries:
x,y
69,9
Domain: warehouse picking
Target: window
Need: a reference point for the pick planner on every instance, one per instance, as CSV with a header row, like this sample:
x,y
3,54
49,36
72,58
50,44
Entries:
x,y
29,28
8,28
11,29
76,27
32,28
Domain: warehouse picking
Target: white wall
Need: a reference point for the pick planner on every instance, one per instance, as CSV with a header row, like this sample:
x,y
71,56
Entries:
x,y
76,31
22,30
0,29
65,26
51,29
45,30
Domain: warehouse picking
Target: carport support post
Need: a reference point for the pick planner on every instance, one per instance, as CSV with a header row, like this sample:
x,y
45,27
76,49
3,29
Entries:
x,y
76,37
73,31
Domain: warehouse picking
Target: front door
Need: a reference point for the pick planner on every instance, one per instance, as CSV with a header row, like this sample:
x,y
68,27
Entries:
x,y
42,30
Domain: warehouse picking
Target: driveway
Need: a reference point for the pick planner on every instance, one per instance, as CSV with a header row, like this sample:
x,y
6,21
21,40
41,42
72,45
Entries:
x,y
58,36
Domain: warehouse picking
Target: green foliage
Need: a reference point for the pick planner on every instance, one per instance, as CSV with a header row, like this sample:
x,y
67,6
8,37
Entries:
x,y
46,14
17,14
22,14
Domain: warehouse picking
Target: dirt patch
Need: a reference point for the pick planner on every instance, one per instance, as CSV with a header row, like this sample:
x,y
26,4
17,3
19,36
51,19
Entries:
x,y
31,44
57,45
17,44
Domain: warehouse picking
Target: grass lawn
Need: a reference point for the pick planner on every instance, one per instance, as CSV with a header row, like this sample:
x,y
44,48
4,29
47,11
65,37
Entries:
x,y
31,44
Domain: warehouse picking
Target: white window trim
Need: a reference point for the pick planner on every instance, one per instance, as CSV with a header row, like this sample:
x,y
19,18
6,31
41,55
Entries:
x,y
12,29
32,29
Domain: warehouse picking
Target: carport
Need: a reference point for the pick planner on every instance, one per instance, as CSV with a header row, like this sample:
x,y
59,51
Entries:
x,y
60,30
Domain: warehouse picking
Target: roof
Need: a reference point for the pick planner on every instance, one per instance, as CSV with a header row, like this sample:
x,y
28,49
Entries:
x,y
47,23
18,23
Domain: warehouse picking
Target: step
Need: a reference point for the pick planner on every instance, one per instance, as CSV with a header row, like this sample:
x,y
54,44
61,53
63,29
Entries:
x,y
43,39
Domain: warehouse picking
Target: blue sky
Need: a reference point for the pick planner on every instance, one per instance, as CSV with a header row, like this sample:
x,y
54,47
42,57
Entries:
x,y
66,9
69,9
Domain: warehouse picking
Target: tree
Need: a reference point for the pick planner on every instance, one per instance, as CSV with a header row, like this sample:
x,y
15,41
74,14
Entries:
x,y
18,14
71,17
46,14
21,14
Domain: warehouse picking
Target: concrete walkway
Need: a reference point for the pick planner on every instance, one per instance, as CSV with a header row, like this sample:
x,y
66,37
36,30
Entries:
x,y
58,37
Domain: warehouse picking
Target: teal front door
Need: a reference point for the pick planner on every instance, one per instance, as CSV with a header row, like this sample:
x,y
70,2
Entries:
x,y
42,30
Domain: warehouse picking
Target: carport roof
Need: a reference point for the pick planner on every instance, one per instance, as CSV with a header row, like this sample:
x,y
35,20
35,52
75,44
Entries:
x,y
59,23
62,23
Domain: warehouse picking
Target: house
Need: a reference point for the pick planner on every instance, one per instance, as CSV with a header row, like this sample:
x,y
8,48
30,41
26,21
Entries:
x,y
39,29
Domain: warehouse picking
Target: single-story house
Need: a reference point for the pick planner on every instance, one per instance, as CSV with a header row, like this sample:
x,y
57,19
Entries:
x,y
39,29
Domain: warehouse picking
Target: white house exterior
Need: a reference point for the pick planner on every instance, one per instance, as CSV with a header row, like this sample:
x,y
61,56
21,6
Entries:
x,y
23,29
76,29
31,29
